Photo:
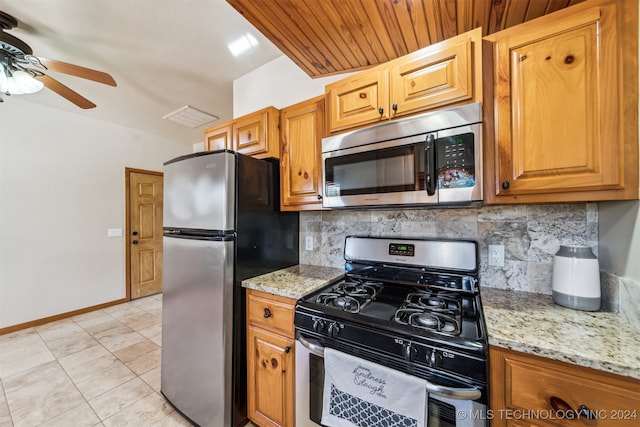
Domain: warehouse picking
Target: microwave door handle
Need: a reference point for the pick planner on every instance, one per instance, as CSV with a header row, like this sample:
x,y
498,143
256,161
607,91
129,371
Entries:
x,y
430,165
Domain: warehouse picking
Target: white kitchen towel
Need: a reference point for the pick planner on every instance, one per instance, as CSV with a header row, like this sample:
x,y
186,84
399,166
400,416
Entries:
x,y
364,394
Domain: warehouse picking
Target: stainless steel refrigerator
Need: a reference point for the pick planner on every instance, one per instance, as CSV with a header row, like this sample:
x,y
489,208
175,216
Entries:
x,y
222,224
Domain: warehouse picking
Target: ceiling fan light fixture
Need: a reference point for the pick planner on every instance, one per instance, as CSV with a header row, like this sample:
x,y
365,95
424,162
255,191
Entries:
x,y
25,83
4,81
18,82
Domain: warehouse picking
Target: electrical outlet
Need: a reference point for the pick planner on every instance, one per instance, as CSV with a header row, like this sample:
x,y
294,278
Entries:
x,y
496,255
308,243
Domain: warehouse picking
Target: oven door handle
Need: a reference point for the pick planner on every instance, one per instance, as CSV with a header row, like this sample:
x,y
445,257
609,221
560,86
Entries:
x,y
312,345
471,393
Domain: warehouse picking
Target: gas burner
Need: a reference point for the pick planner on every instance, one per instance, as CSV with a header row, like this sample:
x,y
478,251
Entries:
x,y
432,300
430,320
432,310
350,296
357,288
340,301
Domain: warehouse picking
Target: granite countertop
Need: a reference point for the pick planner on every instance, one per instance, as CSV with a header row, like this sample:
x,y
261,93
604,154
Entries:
x,y
294,282
534,324
521,321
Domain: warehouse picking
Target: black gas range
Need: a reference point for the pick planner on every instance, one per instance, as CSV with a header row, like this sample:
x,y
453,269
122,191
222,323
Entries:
x,y
411,305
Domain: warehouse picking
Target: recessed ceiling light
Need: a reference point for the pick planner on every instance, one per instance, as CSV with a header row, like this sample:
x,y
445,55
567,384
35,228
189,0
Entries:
x,y
190,116
243,44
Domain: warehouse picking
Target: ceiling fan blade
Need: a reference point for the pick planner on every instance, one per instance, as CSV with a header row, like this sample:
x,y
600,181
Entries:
x,y
66,92
78,71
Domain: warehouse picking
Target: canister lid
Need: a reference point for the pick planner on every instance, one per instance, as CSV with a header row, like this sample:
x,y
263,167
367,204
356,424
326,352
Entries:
x,y
576,251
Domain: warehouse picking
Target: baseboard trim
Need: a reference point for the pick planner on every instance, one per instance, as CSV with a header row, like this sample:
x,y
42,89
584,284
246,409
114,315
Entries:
x,y
38,322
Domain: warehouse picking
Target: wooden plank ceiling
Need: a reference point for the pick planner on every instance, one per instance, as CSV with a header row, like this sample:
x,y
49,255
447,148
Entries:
x,y
326,37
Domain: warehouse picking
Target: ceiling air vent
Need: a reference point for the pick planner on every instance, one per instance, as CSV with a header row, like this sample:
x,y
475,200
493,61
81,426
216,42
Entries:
x,y
191,117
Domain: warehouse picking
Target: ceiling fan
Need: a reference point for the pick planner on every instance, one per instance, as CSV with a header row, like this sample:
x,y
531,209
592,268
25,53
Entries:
x,y
18,66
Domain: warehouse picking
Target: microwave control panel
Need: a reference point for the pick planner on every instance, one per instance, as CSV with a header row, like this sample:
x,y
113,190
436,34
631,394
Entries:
x,y
456,151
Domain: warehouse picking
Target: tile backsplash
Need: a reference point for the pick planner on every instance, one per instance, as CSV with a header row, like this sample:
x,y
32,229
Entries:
x,y
531,235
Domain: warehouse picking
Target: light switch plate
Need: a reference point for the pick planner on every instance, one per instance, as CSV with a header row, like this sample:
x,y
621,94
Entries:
x,y
308,243
114,232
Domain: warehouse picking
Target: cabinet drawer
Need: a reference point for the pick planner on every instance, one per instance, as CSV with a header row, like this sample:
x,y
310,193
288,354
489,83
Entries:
x,y
541,386
270,312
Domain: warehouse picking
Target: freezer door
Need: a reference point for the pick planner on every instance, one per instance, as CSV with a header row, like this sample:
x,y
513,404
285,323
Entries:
x,y
199,192
197,328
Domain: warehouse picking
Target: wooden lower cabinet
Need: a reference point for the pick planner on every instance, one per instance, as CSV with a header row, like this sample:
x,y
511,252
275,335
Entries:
x,y
270,359
527,390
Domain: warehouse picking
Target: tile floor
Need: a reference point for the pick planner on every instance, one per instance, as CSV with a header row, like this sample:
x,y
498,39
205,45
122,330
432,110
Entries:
x,y
96,369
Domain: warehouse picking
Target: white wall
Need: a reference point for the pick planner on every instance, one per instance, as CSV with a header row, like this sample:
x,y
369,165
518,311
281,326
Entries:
x,y
278,83
61,188
619,231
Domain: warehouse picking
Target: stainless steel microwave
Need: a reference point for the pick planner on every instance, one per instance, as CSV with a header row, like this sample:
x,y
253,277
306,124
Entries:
x,y
428,159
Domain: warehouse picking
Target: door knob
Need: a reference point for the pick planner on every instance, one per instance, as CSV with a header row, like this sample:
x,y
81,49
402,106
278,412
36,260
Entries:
x,y
135,242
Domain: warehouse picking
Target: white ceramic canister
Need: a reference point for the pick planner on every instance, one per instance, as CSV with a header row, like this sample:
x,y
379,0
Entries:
x,y
576,278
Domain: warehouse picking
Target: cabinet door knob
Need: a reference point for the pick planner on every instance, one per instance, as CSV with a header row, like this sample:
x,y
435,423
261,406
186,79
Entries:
x,y
267,313
135,233
135,242
319,196
587,413
505,185
381,110
395,107
287,349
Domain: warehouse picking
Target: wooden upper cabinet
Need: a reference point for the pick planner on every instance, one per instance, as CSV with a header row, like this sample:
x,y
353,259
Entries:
x,y
257,134
435,76
442,74
526,384
358,100
566,107
301,131
219,137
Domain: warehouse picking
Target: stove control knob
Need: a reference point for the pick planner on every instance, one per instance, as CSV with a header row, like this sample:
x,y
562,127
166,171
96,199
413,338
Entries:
x,y
433,359
318,325
408,352
333,330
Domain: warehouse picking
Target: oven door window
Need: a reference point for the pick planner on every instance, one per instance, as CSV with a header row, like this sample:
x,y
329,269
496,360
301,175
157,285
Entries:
x,y
316,387
387,170
441,414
